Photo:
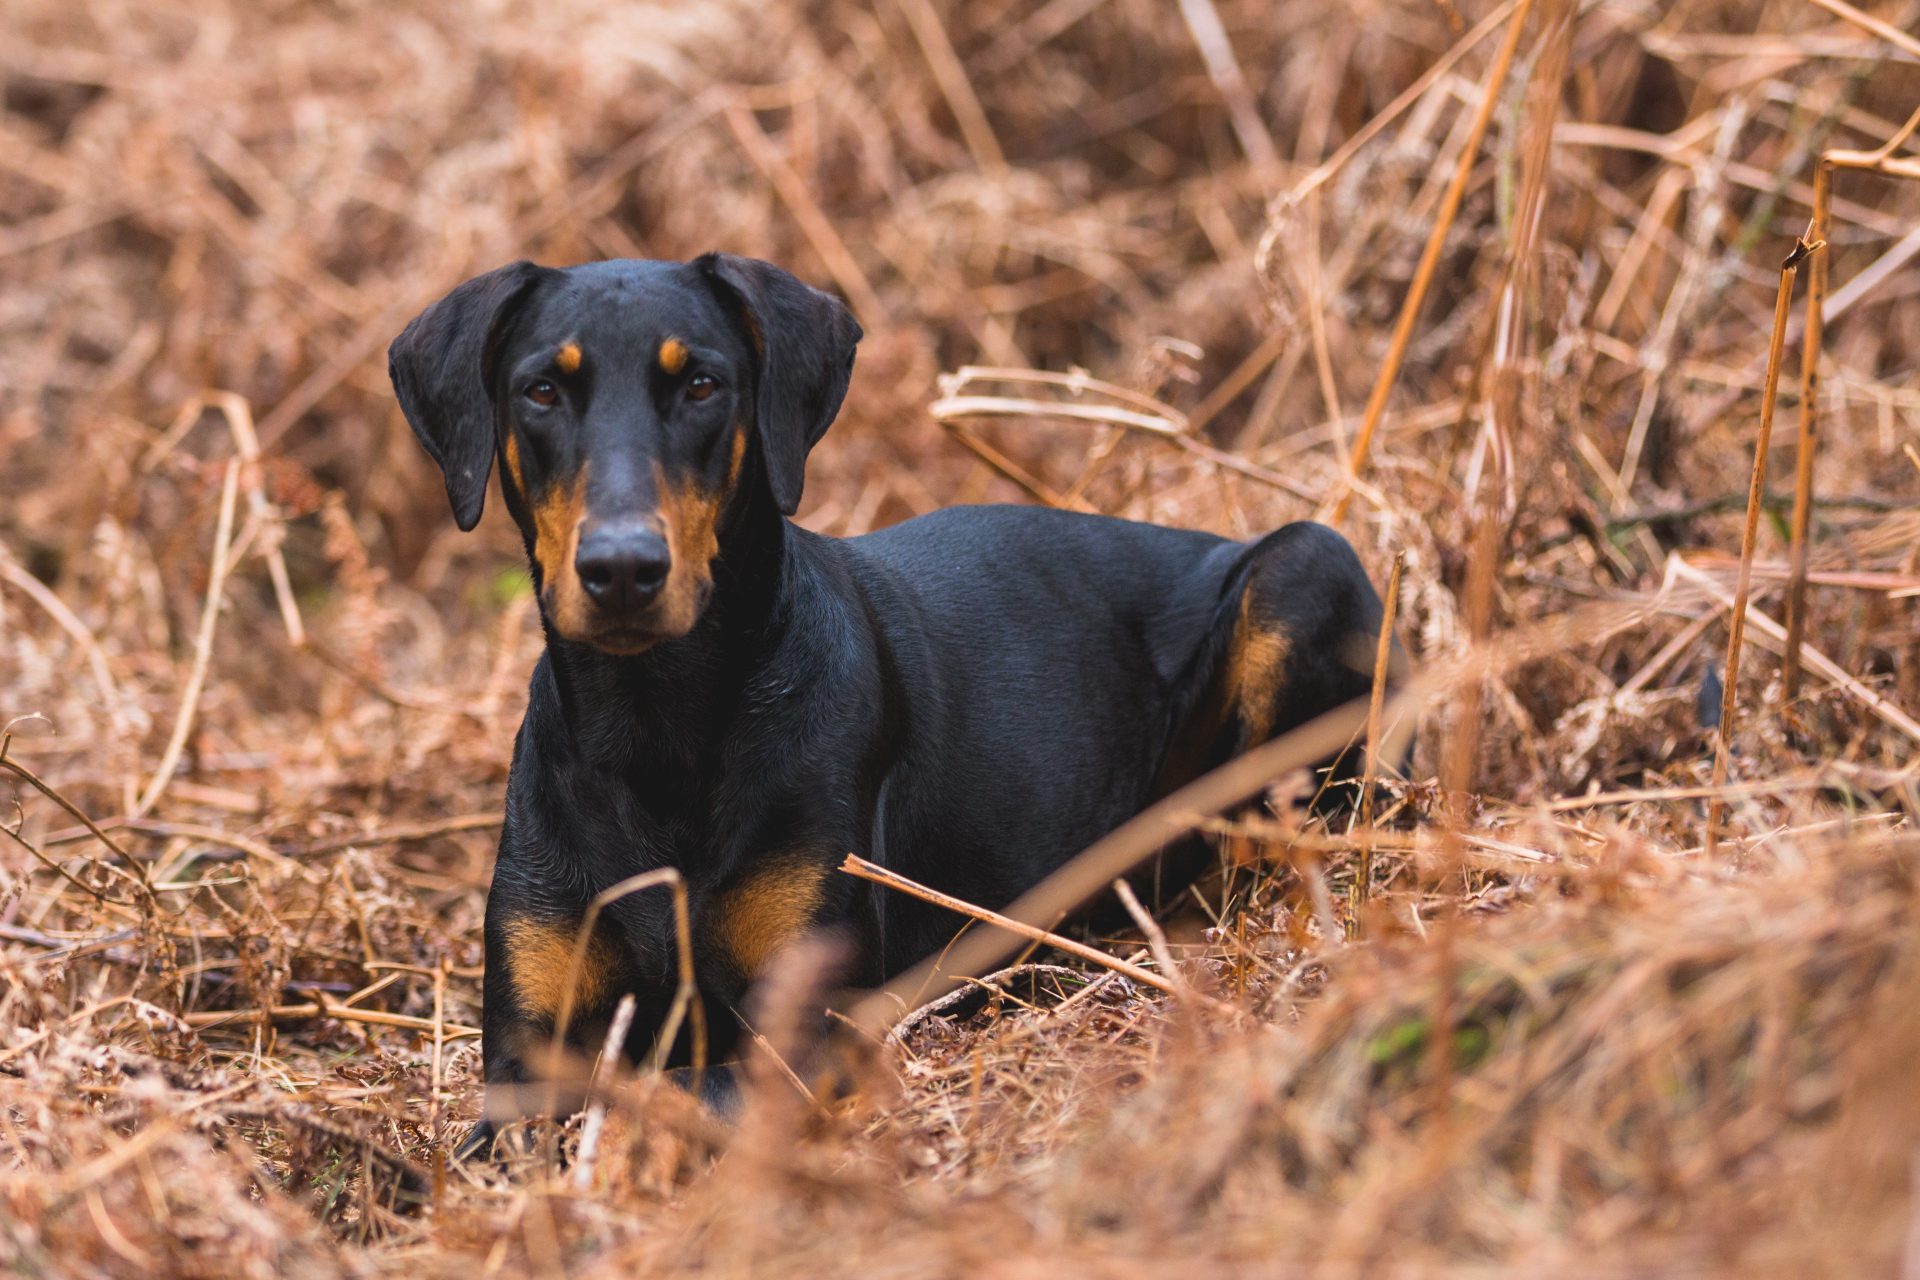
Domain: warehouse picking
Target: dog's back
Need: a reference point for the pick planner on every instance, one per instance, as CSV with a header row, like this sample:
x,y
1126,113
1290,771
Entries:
x,y
1060,671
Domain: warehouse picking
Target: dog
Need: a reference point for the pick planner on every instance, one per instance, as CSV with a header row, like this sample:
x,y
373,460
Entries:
x,y
968,698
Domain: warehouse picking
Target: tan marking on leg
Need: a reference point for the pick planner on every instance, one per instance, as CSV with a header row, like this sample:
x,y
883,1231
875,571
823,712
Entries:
x,y
1256,669
768,908
557,517
692,517
568,358
539,956
673,355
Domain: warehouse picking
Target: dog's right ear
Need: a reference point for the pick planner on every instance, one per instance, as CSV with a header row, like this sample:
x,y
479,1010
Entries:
x,y
804,341
442,371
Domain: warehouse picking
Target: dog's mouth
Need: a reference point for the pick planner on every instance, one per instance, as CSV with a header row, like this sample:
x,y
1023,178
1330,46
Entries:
x,y
631,632
622,642
622,638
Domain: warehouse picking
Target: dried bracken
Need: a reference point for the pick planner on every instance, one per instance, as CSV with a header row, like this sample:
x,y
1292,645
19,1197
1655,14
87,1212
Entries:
x,y
1120,255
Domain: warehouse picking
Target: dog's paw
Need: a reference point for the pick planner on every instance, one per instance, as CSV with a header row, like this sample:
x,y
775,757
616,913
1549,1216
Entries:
x,y
717,1087
478,1143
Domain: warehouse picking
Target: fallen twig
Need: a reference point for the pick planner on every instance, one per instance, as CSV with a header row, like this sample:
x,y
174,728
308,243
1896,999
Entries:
x,y
855,865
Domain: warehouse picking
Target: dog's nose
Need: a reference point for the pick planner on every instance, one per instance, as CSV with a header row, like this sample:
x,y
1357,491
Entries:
x,y
622,567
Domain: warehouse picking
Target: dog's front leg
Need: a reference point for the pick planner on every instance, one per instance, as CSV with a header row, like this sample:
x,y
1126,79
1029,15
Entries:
x,y
540,975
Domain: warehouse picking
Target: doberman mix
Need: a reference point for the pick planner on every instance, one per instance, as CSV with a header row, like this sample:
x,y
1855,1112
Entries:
x,y
968,698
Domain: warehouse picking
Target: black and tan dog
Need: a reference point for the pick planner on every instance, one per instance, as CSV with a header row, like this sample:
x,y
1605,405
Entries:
x,y
969,698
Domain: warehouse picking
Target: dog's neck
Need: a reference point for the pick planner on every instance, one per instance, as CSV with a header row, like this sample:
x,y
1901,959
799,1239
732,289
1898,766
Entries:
x,y
664,715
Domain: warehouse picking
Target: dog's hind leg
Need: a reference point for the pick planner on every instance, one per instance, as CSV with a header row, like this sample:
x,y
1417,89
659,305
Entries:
x,y
1295,627
1304,631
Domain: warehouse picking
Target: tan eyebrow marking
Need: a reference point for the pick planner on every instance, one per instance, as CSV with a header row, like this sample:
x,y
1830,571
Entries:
x,y
673,355
568,358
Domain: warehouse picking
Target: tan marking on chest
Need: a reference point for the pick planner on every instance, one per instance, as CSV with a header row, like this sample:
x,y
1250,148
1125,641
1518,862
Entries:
x,y
539,956
1256,670
567,358
767,909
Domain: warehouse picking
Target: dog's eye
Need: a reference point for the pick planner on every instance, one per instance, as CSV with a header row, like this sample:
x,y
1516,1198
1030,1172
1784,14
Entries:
x,y
543,393
702,385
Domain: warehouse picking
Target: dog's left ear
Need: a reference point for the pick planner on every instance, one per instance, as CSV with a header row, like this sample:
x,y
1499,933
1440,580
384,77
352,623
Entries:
x,y
440,370
804,340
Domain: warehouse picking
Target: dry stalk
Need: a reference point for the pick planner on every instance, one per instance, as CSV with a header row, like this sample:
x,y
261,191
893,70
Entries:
x,y
202,645
1756,492
1430,259
239,415
52,793
685,1004
1333,164
436,1074
1203,22
69,622
1459,775
1382,659
1229,388
611,1050
1154,415
1706,212
949,407
403,833
1881,161
1150,930
97,894
266,853
1307,267
324,1008
1809,441
1141,413
951,76
1885,30
806,211
1033,485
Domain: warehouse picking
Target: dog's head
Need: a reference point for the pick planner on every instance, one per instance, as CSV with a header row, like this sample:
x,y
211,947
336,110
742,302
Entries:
x,y
629,403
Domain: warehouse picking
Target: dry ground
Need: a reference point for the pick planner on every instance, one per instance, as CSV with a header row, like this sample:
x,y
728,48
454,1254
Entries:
x,y
1559,1037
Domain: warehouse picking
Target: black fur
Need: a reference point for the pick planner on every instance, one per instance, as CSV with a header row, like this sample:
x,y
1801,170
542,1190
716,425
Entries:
x,y
969,698
805,341
440,371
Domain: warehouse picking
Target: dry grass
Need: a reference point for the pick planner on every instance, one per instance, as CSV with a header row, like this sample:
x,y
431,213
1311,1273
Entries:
x,y
1552,1035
